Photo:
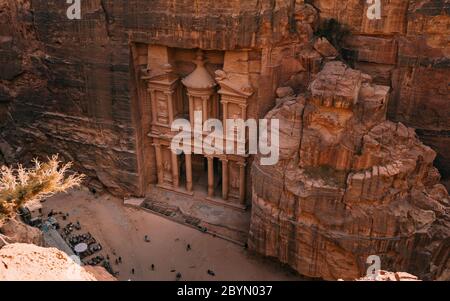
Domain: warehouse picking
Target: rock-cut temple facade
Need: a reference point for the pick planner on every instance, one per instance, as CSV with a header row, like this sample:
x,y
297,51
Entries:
x,y
362,105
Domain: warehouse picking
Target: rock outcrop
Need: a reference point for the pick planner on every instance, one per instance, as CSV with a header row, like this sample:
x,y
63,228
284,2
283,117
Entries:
x,y
65,84
349,184
390,276
408,50
27,262
18,232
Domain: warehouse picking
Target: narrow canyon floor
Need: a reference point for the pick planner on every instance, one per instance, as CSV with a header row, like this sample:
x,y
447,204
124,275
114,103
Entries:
x,y
121,230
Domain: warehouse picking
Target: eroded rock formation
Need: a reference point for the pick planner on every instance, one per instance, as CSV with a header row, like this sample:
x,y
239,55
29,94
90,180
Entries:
x,y
18,232
66,85
27,262
349,184
390,276
408,50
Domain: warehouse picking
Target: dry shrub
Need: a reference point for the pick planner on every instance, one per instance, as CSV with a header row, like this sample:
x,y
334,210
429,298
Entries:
x,y
21,185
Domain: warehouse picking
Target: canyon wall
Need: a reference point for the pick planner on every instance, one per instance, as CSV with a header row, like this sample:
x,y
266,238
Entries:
x,y
27,262
408,50
349,184
66,86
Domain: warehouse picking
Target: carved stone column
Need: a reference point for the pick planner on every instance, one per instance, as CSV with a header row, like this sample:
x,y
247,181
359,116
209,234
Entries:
x,y
225,179
210,176
189,172
191,109
242,183
205,107
175,173
159,164
153,103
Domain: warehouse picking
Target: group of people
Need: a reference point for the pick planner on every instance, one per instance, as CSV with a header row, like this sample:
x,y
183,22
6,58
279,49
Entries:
x,y
70,227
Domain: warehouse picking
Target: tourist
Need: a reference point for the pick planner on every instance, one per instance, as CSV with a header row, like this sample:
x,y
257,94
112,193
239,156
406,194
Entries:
x,y
188,248
153,267
178,276
132,271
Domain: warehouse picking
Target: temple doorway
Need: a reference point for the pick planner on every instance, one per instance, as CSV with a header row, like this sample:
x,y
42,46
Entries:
x,y
200,173
205,182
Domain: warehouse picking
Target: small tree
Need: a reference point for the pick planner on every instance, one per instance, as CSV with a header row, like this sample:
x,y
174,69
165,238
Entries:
x,y
21,185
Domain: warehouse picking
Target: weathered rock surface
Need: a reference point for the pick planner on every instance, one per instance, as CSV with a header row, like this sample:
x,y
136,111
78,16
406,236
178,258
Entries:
x,y
324,47
27,262
18,232
408,50
349,184
390,276
65,85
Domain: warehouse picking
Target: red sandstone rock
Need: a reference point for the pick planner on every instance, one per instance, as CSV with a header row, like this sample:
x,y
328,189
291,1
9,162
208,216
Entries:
x,y
349,184
70,88
18,232
408,50
390,276
325,48
77,78
27,262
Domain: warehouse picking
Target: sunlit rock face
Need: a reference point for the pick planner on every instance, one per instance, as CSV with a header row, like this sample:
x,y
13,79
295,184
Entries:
x,y
408,50
66,86
390,276
349,184
18,232
26,262
69,85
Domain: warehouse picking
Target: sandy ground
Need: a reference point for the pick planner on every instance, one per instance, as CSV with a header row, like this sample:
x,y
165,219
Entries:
x,y
121,230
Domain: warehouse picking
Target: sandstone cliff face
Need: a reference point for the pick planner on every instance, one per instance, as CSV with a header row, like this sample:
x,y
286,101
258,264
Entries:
x,y
66,85
408,50
349,184
27,262
15,231
390,276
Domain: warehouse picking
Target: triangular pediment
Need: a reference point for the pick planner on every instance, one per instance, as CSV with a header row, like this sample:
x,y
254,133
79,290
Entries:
x,y
167,78
235,89
232,85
